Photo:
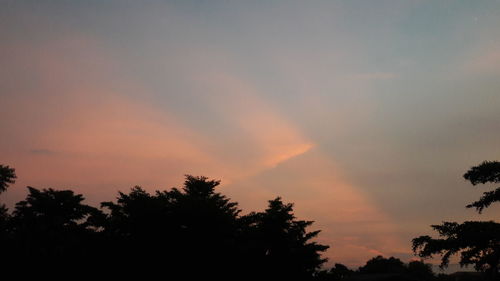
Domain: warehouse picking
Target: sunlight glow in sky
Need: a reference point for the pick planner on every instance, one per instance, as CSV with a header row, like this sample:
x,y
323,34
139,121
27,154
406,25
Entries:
x,y
365,114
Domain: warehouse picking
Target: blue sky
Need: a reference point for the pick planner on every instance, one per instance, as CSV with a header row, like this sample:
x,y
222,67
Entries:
x,y
365,114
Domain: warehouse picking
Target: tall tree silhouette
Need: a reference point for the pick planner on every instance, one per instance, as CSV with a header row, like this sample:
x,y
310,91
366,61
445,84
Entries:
x,y
284,246
180,228
477,242
137,220
7,177
208,226
51,226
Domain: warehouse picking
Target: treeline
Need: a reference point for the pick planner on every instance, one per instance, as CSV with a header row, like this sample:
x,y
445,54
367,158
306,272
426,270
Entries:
x,y
380,268
191,232
188,233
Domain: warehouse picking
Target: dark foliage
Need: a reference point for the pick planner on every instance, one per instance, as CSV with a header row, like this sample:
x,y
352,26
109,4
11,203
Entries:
x,y
192,232
7,177
486,172
197,233
380,264
380,269
50,225
283,246
420,270
337,272
477,242
178,230
393,269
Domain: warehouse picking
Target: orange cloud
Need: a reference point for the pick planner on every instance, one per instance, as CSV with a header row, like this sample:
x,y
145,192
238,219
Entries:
x,y
255,124
81,127
351,223
84,114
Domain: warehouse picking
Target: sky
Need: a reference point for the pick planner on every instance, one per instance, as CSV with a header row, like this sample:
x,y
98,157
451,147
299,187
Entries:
x,y
364,114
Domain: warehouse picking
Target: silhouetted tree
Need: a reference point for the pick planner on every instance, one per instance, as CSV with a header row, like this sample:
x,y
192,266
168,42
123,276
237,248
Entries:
x,y
379,264
284,243
420,270
207,226
340,271
380,269
50,226
136,219
477,242
7,177
486,172
188,233
337,272
181,228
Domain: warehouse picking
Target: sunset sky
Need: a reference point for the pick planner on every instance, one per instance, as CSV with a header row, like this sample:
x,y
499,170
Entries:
x,y
364,114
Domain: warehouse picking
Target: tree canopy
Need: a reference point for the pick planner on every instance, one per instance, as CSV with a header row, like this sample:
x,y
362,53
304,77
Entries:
x,y
476,242
197,232
486,172
379,264
191,231
7,177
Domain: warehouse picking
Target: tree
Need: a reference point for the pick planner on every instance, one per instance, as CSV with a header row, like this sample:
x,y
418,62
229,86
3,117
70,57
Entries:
x,y
50,227
340,271
7,177
477,242
486,172
135,216
420,270
336,273
176,230
194,232
284,244
380,264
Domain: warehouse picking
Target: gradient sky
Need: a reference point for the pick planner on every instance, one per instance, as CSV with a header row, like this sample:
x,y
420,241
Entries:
x,y
365,114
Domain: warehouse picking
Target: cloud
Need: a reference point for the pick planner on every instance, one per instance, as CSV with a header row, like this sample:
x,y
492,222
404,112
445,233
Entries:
x,y
352,224
102,136
265,138
109,132
88,112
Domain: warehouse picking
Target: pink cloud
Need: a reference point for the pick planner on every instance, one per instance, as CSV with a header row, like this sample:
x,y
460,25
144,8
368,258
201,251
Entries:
x,y
355,227
101,139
